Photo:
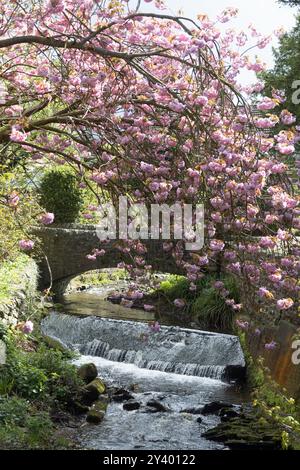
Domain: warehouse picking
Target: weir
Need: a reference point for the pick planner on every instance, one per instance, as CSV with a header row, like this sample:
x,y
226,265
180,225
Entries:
x,y
172,349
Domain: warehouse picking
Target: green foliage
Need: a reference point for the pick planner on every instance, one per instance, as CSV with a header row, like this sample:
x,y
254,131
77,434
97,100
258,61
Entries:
x,y
212,311
270,401
63,383
15,222
60,194
255,374
286,69
205,305
33,386
273,405
99,278
23,426
10,272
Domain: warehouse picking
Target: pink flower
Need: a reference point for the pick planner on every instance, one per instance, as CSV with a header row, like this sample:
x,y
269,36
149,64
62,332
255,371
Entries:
x,y
266,104
267,242
87,216
265,293
287,118
271,346
179,303
17,136
201,101
26,245
148,308
285,149
27,328
13,200
47,218
285,304
219,285
155,326
217,245
126,303
243,325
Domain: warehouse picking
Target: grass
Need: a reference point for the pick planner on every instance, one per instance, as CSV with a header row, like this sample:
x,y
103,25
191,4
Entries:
x,y
205,305
100,278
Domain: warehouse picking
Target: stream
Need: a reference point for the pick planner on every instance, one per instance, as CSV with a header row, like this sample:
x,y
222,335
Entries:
x,y
182,369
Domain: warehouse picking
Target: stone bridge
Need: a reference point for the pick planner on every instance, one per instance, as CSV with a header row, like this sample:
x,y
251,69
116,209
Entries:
x,y
65,251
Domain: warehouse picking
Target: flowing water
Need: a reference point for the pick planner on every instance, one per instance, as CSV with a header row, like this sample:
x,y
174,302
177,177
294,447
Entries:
x,y
178,368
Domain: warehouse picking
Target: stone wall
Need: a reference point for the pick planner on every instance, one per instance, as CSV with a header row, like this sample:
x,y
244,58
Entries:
x,y
279,360
21,293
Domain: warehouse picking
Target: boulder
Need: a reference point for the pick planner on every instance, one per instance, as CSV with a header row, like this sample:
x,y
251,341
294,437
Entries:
x,y
214,407
226,414
156,407
97,412
131,405
55,343
92,391
87,372
121,395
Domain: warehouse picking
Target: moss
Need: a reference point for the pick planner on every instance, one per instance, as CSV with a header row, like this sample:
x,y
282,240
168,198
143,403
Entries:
x,y
246,432
97,412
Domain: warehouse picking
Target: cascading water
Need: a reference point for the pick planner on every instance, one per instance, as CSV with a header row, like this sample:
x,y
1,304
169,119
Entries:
x,y
179,369
172,349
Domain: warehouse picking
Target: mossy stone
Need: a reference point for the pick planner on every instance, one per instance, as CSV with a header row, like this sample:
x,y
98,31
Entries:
x,y
97,412
87,372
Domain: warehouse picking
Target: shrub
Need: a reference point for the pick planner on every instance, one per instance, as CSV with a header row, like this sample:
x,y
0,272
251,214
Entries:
x,y
60,194
205,304
23,426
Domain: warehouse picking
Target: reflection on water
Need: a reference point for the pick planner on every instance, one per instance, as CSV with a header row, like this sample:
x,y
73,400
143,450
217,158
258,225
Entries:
x,y
91,303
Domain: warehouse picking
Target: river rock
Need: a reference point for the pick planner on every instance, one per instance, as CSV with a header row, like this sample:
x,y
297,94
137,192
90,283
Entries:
x,y
214,407
121,395
131,405
55,343
97,412
192,411
155,406
87,372
92,391
246,433
226,414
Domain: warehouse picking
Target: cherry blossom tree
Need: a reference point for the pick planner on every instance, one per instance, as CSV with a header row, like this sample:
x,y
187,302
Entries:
x,y
149,105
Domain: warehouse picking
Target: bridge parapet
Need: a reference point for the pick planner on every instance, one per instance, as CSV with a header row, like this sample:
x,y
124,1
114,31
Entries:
x,y
66,248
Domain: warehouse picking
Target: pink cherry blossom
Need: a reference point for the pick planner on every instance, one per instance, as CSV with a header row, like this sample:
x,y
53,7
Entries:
x,y
47,218
27,328
285,304
26,245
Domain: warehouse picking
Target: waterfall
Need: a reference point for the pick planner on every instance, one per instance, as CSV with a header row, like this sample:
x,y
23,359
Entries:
x,y
172,349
